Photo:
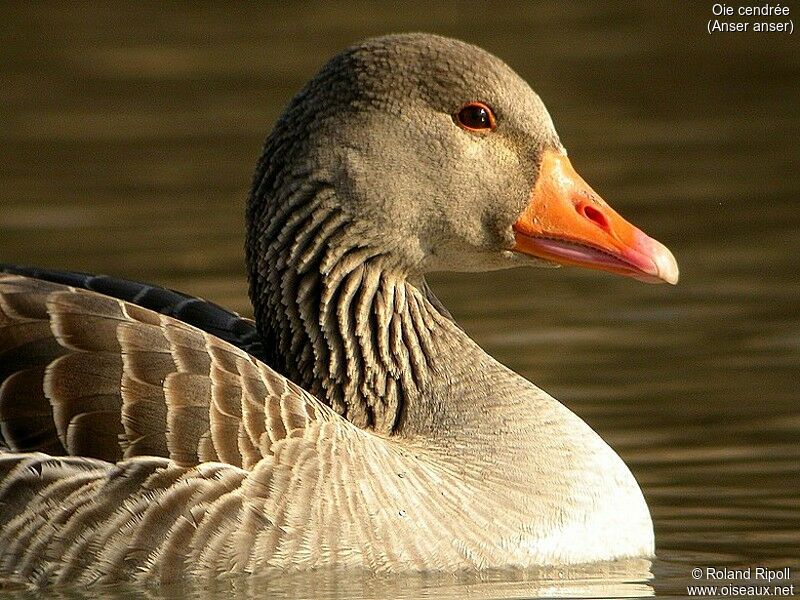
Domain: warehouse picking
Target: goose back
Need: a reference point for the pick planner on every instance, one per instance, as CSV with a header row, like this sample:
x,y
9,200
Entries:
x,y
86,374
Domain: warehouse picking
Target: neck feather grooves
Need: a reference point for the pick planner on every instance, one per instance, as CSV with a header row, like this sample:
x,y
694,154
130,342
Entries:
x,y
335,316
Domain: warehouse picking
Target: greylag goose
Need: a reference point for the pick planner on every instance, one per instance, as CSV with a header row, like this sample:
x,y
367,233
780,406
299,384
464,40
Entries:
x,y
152,436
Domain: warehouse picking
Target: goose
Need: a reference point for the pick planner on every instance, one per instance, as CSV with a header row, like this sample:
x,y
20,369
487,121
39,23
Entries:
x,y
151,436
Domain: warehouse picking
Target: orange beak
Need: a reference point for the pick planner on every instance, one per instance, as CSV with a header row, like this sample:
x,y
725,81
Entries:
x,y
568,223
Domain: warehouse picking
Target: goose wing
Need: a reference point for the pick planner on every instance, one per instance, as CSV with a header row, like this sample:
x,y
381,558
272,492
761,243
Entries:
x,y
87,374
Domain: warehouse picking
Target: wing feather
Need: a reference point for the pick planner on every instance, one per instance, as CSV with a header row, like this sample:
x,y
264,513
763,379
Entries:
x,y
90,375
218,458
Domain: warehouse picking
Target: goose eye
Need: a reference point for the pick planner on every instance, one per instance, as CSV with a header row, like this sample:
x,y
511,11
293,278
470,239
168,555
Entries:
x,y
475,116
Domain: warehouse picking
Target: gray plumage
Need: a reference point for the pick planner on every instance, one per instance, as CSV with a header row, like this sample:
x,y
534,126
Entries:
x,y
375,435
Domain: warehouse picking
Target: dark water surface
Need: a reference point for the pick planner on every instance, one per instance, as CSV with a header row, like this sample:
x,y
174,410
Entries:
x,y
129,133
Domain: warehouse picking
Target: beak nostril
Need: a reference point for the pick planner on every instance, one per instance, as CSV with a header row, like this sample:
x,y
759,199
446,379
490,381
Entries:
x,y
595,216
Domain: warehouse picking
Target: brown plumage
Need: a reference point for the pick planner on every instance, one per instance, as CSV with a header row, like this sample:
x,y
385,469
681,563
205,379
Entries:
x,y
153,436
111,380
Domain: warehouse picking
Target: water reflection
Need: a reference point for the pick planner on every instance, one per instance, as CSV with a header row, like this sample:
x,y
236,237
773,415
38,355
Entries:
x,y
621,579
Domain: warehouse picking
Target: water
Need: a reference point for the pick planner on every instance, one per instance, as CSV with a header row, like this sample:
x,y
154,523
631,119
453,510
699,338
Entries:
x,y
129,135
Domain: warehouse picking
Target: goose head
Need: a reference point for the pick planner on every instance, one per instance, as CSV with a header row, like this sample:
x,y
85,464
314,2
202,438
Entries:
x,y
442,158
